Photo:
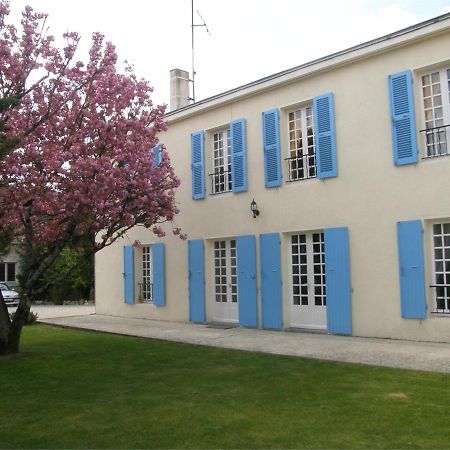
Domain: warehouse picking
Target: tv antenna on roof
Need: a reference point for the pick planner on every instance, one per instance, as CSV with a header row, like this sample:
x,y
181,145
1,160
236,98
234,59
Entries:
x,y
193,25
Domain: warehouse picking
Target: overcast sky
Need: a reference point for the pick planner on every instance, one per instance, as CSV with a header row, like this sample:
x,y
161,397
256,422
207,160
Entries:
x,y
249,39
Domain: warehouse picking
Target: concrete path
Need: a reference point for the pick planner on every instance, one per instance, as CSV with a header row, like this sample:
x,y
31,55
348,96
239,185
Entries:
x,y
50,311
426,356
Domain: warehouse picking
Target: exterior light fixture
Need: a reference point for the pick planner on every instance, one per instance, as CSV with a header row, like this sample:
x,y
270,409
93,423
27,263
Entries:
x,y
254,209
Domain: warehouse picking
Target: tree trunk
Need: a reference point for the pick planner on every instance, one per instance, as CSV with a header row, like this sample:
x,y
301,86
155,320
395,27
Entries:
x,y
39,267
5,325
17,324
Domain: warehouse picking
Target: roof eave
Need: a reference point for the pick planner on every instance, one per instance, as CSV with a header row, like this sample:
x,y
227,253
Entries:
x,y
402,37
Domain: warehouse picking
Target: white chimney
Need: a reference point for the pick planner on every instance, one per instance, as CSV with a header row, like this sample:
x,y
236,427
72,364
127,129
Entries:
x,y
179,89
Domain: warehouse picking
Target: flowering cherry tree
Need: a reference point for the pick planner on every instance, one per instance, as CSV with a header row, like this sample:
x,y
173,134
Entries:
x,y
79,159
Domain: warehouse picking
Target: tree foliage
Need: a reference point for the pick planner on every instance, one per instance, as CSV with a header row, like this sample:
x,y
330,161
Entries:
x,y
76,139
71,277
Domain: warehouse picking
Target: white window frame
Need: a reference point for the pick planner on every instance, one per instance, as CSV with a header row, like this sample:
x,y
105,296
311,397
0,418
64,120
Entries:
x,y
435,134
308,162
310,315
225,296
445,306
146,284
220,178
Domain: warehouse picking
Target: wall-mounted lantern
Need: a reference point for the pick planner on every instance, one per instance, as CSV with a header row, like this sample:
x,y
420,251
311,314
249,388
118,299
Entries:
x,y
254,209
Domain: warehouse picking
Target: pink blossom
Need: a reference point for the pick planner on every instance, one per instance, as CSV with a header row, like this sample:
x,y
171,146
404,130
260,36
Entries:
x,y
83,162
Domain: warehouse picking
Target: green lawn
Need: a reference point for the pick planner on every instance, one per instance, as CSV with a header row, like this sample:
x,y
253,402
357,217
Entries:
x,y
71,389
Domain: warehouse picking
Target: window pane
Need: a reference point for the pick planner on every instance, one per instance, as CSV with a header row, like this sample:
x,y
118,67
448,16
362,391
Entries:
x,y
436,89
2,271
438,113
11,276
435,77
427,91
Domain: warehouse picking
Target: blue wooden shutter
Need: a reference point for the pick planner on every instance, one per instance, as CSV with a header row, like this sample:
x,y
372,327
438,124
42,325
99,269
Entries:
x,y
272,153
337,279
270,261
158,293
198,165
157,155
128,273
247,290
196,250
412,272
238,155
403,118
325,136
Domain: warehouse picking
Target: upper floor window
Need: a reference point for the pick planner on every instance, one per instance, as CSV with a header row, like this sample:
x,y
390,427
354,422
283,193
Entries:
x,y
221,176
302,152
226,158
436,108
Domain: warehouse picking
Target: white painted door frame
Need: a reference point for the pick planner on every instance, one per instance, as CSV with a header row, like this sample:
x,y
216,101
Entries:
x,y
225,299
307,280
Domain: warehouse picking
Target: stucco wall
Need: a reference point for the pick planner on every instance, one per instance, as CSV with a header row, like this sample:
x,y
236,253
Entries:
x,y
368,196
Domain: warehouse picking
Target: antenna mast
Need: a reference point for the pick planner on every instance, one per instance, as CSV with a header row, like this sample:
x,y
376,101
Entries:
x,y
193,25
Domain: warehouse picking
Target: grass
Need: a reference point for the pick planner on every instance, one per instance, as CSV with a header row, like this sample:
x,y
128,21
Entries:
x,y
72,389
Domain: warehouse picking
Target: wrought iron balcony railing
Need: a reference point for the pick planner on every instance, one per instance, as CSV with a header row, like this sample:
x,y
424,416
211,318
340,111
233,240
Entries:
x,y
301,167
220,182
145,292
442,298
436,141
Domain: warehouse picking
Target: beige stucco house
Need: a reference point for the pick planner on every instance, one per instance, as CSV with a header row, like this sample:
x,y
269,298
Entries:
x,y
346,160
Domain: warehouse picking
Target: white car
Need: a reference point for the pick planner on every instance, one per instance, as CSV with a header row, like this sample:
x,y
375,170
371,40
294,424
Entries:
x,y
11,297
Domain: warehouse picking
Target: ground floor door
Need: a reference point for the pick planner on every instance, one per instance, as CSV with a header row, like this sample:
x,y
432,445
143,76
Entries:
x,y
308,292
146,287
225,282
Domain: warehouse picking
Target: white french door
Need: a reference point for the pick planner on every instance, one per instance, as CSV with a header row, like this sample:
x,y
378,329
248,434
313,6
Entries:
x,y
308,292
225,282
